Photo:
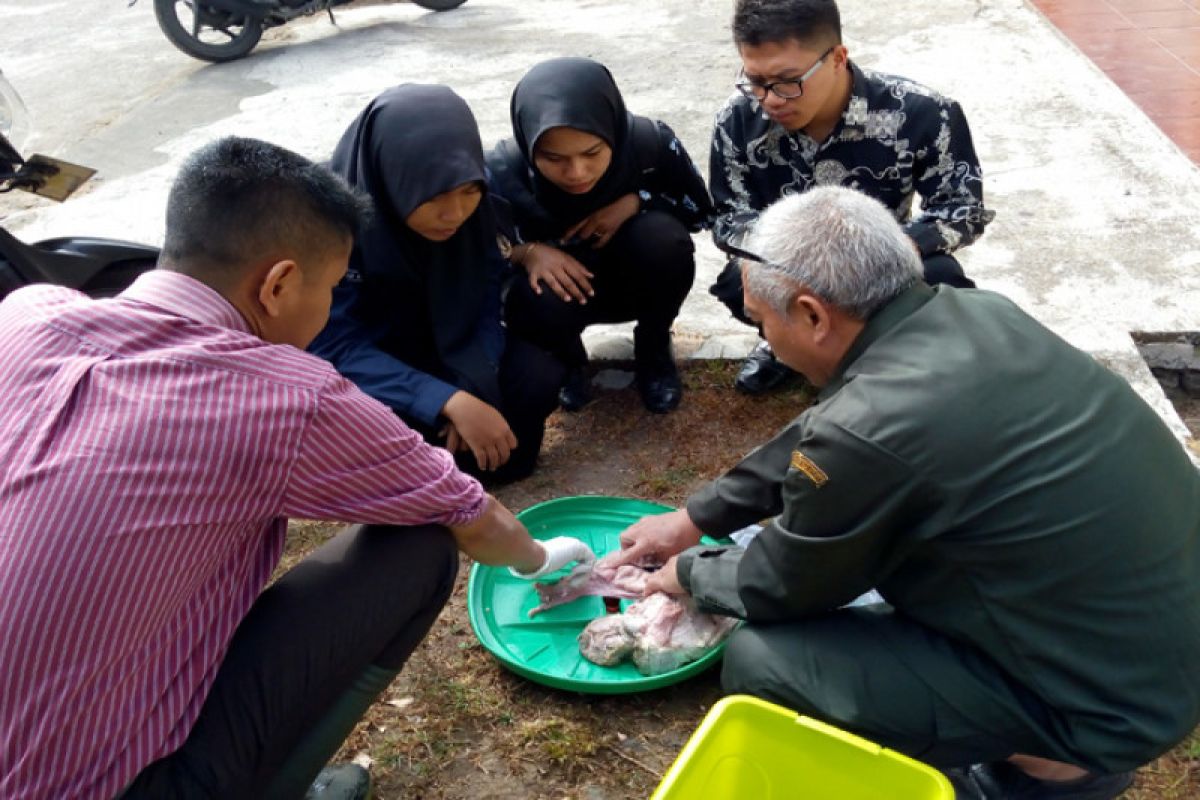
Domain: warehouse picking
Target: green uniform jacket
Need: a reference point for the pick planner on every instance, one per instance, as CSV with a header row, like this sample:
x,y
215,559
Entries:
x,y
997,486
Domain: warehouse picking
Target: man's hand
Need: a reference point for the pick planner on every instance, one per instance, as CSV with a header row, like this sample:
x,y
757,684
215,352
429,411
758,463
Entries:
x,y
600,226
665,580
561,273
481,427
657,538
560,551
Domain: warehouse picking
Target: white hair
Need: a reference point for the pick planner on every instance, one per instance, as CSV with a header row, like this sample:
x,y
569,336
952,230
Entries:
x,y
841,245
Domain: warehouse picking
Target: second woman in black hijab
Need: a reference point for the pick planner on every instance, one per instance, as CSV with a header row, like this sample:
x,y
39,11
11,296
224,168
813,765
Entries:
x,y
416,322
604,202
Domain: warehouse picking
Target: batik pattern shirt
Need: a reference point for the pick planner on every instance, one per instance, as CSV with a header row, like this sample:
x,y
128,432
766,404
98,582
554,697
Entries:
x,y
896,139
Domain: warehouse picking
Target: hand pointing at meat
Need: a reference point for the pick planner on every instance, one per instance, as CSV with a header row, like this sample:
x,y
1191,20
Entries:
x,y
653,540
560,551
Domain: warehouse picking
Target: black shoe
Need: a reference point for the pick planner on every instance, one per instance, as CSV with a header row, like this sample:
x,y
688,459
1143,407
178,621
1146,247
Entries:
x,y
576,391
660,388
341,782
761,372
1001,779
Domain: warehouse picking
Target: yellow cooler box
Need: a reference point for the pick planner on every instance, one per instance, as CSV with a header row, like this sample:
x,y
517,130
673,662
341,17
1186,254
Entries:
x,y
749,748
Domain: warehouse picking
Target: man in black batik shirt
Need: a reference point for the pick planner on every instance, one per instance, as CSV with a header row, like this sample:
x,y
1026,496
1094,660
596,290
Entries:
x,y
806,116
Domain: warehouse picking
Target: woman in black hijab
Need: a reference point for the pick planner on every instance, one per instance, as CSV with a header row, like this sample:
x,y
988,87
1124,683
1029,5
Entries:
x,y
416,322
604,202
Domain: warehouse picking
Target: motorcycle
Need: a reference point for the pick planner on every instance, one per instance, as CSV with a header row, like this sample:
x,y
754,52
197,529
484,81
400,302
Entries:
x,y
97,267
224,30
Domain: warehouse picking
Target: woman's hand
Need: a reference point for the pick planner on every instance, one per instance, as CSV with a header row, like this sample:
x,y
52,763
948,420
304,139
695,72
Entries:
x,y
481,428
561,273
600,226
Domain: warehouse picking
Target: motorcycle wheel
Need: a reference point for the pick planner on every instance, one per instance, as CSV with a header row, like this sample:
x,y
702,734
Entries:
x,y
439,5
207,33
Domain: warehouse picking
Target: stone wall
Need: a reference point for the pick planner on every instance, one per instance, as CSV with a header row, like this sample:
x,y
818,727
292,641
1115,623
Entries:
x,y
1174,359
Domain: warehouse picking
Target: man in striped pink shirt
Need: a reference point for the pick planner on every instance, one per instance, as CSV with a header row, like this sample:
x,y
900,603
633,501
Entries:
x,y
152,448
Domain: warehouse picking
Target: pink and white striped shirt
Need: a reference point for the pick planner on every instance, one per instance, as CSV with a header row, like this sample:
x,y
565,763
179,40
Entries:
x,y
151,451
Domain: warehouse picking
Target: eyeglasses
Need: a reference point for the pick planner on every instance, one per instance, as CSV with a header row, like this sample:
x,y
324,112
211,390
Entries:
x,y
788,89
746,255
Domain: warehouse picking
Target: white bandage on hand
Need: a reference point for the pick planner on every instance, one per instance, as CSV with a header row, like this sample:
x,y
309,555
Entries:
x,y
560,551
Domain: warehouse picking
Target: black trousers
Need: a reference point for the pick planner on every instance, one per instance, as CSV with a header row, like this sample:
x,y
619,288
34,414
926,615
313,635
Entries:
x,y
529,381
939,268
643,273
358,605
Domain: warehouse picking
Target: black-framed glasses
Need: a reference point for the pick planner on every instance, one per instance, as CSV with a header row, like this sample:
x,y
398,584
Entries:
x,y
788,89
746,255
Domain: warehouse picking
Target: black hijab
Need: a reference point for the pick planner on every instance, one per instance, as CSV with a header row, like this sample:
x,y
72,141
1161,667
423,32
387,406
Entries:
x,y
408,145
573,93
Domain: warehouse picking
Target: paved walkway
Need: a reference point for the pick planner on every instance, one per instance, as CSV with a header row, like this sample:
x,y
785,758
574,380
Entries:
x,y
1096,232
1149,48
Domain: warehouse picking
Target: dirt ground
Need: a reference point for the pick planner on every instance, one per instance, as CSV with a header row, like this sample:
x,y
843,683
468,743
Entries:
x,y
456,724
1189,411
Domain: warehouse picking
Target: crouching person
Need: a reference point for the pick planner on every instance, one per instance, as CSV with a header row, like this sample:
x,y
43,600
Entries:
x,y
153,447
1032,524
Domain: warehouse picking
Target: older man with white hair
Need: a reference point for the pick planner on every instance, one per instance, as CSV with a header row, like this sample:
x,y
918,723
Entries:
x,y
1031,523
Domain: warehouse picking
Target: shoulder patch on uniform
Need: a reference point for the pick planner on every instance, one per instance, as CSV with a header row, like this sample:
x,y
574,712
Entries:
x,y
803,463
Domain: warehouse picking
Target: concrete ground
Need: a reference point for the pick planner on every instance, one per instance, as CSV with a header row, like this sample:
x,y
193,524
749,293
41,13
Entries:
x,y
1096,232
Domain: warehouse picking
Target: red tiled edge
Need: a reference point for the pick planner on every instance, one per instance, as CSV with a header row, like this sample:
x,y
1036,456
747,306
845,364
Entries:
x,y
1149,48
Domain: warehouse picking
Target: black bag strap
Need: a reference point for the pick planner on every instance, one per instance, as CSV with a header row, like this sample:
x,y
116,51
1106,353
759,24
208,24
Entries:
x,y
646,147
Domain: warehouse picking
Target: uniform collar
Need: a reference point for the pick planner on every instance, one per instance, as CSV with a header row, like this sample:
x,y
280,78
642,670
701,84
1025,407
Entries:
x,y
186,297
886,318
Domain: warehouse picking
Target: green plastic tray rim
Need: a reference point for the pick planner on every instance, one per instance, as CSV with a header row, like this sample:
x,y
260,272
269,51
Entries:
x,y
542,651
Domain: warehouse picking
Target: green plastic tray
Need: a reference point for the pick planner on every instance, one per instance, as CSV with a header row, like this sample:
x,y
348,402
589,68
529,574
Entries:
x,y
544,649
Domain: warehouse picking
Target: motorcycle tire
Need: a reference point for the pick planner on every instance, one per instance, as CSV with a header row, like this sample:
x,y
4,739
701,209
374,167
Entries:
x,y
238,44
439,5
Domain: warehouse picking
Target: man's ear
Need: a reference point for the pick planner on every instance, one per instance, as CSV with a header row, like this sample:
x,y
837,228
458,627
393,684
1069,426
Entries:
x,y
840,56
277,283
813,314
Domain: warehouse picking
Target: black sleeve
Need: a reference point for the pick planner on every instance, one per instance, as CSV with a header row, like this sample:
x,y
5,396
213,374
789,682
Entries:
x,y
506,220
675,185
950,183
728,174
510,198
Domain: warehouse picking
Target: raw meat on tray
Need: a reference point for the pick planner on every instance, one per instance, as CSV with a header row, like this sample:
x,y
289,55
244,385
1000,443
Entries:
x,y
660,633
601,579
